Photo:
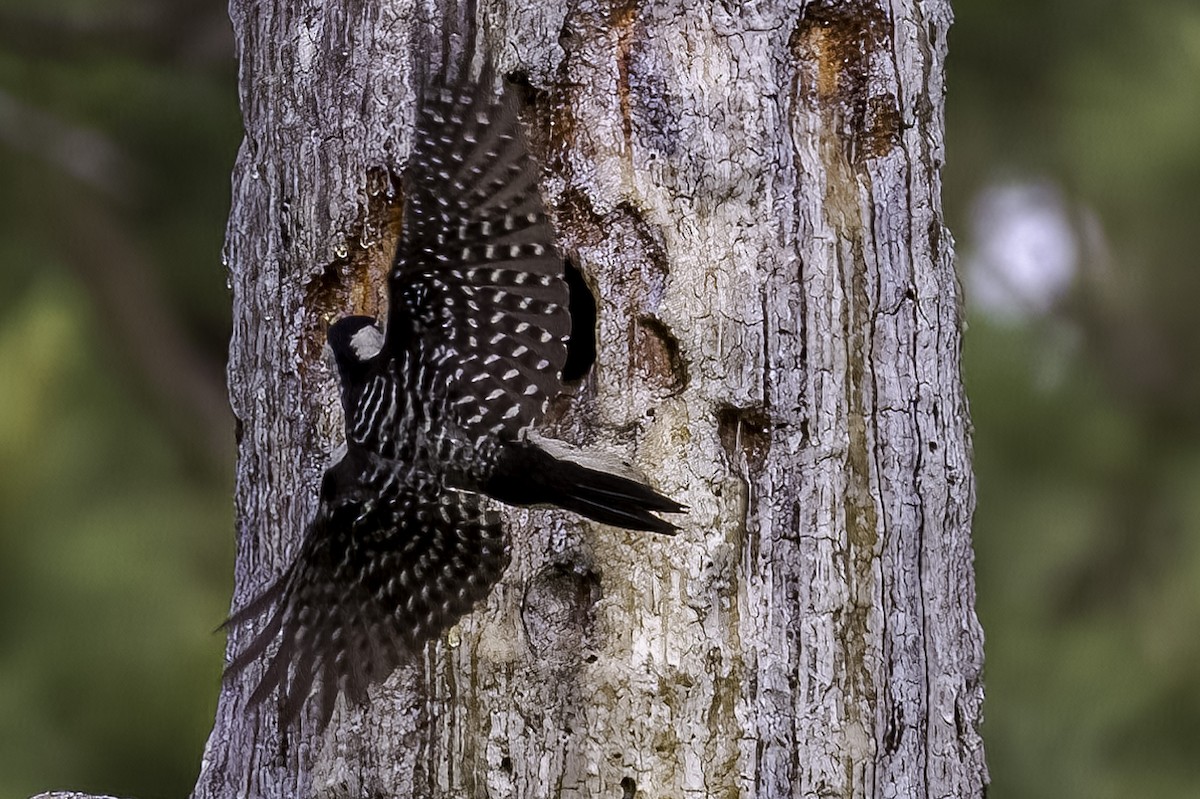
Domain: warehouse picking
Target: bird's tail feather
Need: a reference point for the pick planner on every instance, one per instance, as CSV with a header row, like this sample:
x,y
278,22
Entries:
x,y
543,471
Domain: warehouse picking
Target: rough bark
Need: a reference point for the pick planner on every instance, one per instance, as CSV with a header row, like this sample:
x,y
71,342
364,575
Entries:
x,y
753,191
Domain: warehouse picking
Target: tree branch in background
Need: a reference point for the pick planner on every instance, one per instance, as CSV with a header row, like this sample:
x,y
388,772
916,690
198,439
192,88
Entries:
x,y
86,155
121,276
188,31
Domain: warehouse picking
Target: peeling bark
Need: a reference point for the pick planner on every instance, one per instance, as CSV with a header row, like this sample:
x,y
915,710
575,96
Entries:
x,y
753,191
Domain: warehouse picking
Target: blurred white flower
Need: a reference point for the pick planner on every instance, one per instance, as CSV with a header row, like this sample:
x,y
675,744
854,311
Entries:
x,y
1025,251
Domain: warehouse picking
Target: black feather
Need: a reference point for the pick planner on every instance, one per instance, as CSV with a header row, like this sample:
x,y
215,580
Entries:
x,y
528,475
383,569
477,290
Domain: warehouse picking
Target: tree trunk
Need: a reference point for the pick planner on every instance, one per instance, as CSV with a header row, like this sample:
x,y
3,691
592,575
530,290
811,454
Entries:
x,y
753,193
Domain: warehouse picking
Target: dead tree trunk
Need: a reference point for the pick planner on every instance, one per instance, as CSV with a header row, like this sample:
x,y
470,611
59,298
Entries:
x,y
752,189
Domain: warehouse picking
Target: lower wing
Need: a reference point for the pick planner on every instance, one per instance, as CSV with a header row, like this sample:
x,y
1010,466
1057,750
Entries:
x,y
375,580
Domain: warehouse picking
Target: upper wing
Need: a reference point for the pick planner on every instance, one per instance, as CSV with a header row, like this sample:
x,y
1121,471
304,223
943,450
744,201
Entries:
x,y
377,576
477,295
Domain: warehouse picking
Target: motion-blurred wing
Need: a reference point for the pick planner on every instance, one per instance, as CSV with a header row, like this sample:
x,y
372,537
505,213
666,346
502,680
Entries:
x,y
477,291
375,580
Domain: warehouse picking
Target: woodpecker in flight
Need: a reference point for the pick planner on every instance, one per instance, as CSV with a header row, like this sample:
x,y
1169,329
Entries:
x,y
439,410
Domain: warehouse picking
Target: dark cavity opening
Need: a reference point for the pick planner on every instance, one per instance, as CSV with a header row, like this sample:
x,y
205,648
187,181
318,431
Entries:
x,y
581,345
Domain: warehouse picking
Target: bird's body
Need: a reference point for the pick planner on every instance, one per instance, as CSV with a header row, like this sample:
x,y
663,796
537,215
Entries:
x,y
439,407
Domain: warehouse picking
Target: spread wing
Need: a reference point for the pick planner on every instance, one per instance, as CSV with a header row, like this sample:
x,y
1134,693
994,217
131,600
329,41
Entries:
x,y
378,575
477,295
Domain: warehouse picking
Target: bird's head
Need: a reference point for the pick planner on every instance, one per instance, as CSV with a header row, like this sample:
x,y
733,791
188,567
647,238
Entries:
x,y
354,342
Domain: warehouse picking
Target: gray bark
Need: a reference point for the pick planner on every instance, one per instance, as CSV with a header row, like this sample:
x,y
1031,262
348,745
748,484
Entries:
x,y
753,190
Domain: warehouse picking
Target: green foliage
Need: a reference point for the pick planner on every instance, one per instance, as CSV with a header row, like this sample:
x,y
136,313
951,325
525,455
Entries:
x,y
114,568
116,542
1086,453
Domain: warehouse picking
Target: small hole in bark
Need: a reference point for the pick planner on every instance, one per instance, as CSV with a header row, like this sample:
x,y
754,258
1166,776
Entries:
x,y
745,434
285,230
519,78
559,611
935,244
656,354
531,101
628,787
894,731
506,764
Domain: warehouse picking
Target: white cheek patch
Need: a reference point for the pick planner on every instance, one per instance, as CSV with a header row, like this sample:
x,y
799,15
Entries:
x,y
367,343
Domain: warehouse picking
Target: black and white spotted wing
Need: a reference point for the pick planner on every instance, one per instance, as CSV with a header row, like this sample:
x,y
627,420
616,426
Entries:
x,y
384,568
477,292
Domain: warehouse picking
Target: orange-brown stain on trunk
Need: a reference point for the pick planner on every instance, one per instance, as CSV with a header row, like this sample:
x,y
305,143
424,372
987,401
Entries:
x,y
840,47
355,282
623,18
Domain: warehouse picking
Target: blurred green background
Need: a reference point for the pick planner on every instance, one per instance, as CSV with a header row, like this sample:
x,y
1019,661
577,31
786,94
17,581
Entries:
x,y
1071,184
